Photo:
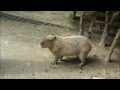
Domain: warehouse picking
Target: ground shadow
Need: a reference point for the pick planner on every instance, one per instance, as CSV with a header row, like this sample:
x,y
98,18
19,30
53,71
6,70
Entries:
x,y
72,61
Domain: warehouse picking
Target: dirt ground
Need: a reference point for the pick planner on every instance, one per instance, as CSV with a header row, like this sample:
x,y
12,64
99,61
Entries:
x,y
21,56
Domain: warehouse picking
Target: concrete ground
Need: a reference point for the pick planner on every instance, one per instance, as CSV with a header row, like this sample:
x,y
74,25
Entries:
x,y
21,56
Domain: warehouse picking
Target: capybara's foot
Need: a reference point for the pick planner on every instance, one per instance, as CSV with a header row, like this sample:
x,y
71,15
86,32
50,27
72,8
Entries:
x,y
80,65
54,63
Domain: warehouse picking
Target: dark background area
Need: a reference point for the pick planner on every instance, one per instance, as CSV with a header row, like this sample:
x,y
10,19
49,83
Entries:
x,y
59,5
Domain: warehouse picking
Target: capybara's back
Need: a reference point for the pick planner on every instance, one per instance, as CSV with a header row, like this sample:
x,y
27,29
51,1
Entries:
x,y
73,45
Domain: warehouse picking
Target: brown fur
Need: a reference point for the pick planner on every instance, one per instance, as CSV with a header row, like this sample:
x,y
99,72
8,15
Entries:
x,y
67,46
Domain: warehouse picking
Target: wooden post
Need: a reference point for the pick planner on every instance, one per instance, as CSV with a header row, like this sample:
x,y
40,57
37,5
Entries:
x,y
81,23
115,15
109,21
116,39
105,32
73,15
90,29
91,25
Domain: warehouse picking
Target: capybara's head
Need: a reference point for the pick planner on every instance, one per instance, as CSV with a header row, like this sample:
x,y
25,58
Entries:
x,y
48,41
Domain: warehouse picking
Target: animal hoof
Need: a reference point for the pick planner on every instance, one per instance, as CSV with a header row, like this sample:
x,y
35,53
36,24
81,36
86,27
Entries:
x,y
80,66
54,63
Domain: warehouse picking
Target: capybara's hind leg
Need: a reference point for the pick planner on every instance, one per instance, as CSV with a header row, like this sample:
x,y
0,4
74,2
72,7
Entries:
x,y
82,58
61,58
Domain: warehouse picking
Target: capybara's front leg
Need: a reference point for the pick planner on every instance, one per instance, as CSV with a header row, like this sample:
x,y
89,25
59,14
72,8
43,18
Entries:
x,y
56,60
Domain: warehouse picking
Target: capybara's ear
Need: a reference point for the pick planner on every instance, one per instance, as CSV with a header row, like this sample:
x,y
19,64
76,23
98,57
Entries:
x,y
54,37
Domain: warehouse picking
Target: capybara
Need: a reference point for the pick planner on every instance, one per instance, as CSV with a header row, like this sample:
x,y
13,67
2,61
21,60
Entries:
x,y
60,46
